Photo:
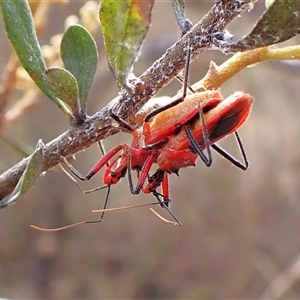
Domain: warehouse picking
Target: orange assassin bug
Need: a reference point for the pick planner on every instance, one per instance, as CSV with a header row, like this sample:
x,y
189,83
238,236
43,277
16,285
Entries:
x,y
173,136
220,118
183,149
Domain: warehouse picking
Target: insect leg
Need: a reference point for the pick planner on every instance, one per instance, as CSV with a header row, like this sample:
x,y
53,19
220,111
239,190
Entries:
x,y
244,166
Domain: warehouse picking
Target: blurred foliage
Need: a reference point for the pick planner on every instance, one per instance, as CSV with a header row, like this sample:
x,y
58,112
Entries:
x,y
22,36
240,230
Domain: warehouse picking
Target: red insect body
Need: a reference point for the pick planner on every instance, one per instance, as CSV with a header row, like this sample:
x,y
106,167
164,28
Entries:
x,y
235,109
163,140
222,120
167,122
173,137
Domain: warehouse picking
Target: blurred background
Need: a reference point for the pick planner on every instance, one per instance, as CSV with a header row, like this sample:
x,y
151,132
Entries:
x,y
240,237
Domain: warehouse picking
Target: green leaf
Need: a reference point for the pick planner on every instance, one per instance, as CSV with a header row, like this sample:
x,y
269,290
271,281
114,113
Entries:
x,y
280,22
179,12
124,26
29,177
64,86
21,33
80,56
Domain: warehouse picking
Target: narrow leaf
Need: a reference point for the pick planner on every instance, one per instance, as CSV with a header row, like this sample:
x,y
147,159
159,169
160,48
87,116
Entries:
x,y
21,33
280,22
30,175
64,86
179,12
80,56
124,26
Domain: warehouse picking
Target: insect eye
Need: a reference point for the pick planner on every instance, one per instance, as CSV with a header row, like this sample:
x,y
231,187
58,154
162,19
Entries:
x,y
224,126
